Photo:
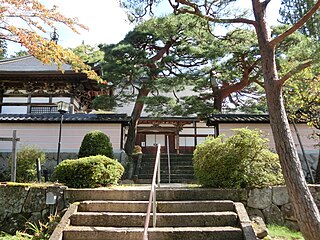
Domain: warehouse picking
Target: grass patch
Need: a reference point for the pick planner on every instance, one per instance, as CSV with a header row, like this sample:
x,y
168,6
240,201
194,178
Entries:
x,y
30,184
18,236
282,232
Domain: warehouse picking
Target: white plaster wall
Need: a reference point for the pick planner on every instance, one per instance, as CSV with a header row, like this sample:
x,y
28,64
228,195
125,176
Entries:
x,y
45,135
304,130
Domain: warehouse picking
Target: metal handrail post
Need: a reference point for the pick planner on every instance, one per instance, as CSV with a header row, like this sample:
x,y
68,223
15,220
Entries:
x,y
169,160
158,174
154,210
152,195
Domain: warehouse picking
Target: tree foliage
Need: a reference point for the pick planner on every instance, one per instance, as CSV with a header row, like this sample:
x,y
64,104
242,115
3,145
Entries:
x,y
160,55
29,22
95,143
240,161
292,11
88,53
302,96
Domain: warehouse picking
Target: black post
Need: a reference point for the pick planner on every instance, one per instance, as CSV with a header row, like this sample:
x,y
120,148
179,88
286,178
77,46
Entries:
x,y
59,141
38,169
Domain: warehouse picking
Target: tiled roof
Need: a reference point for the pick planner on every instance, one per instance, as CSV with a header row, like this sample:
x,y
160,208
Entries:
x,y
29,64
71,118
237,118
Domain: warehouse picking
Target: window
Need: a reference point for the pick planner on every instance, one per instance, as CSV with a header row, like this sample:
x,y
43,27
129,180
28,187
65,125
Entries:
x,y
152,139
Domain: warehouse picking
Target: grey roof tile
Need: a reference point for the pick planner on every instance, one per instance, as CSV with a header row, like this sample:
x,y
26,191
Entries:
x,y
72,118
29,64
237,118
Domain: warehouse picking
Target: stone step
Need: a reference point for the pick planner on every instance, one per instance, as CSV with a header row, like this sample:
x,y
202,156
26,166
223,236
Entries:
x,y
165,173
178,233
166,180
121,219
165,162
166,176
165,168
113,206
162,206
172,156
163,194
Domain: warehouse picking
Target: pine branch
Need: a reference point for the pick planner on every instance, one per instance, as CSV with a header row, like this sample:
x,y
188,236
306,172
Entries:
x,y
297,25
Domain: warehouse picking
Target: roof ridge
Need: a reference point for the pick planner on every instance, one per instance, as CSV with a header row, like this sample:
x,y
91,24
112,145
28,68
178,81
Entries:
x,y
15,59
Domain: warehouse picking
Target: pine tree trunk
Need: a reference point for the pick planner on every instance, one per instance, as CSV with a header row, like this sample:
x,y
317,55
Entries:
x,y
304,206
135,116
317,180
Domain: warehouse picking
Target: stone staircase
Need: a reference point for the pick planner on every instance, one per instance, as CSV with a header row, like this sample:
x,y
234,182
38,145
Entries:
x,y
182,213
181,168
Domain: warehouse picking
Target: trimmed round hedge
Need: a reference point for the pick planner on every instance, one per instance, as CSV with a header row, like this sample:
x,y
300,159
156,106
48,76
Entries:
x,y
89,172
95,143
242,160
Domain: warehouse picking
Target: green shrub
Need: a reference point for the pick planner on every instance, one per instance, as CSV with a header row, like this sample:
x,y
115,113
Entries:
x,y
95,143
26,163
104,102
89,172
243,160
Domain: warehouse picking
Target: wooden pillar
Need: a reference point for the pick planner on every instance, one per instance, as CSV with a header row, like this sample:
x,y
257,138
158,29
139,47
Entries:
x,y
14,140
216,130
195,134
1,100
29,103
14,157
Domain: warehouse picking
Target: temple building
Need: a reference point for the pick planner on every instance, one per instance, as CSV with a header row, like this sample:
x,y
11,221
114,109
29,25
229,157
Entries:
x,y
29,92
29,86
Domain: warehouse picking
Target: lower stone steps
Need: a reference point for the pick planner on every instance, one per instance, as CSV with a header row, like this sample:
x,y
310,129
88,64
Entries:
x,y
121,219
158,233
162,206
182,213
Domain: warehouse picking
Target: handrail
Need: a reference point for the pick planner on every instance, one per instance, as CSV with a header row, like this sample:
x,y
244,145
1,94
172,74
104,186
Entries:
x,y
169,160
152,196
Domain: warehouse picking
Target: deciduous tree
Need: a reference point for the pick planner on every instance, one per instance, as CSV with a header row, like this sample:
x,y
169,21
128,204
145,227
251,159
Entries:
x,y
29,23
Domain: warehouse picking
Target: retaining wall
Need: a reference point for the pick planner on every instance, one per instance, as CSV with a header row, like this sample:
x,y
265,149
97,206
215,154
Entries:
x,y
19,204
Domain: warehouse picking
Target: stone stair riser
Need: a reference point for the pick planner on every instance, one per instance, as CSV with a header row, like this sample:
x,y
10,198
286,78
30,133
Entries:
x,y
101,233
203,219
175,171
163,194
162,206
166,176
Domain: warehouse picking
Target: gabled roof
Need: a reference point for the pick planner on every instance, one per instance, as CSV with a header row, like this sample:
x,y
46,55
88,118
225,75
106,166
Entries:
x,y
29,64
69,118
237,118
23,72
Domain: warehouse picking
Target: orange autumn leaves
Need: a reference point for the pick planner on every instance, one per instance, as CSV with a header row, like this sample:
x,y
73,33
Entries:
x,y
27,21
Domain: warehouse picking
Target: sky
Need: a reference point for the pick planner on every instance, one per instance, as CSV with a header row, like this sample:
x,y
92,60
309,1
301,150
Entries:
x,y
107,22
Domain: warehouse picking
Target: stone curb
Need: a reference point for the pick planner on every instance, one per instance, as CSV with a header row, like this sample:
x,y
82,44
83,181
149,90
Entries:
x,y
65,221
245,223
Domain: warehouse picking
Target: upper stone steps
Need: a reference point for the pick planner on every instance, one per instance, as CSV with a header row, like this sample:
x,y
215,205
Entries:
x,y
164,193
181,168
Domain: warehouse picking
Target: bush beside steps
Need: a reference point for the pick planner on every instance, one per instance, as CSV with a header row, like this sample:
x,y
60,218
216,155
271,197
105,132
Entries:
x,y
89,172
